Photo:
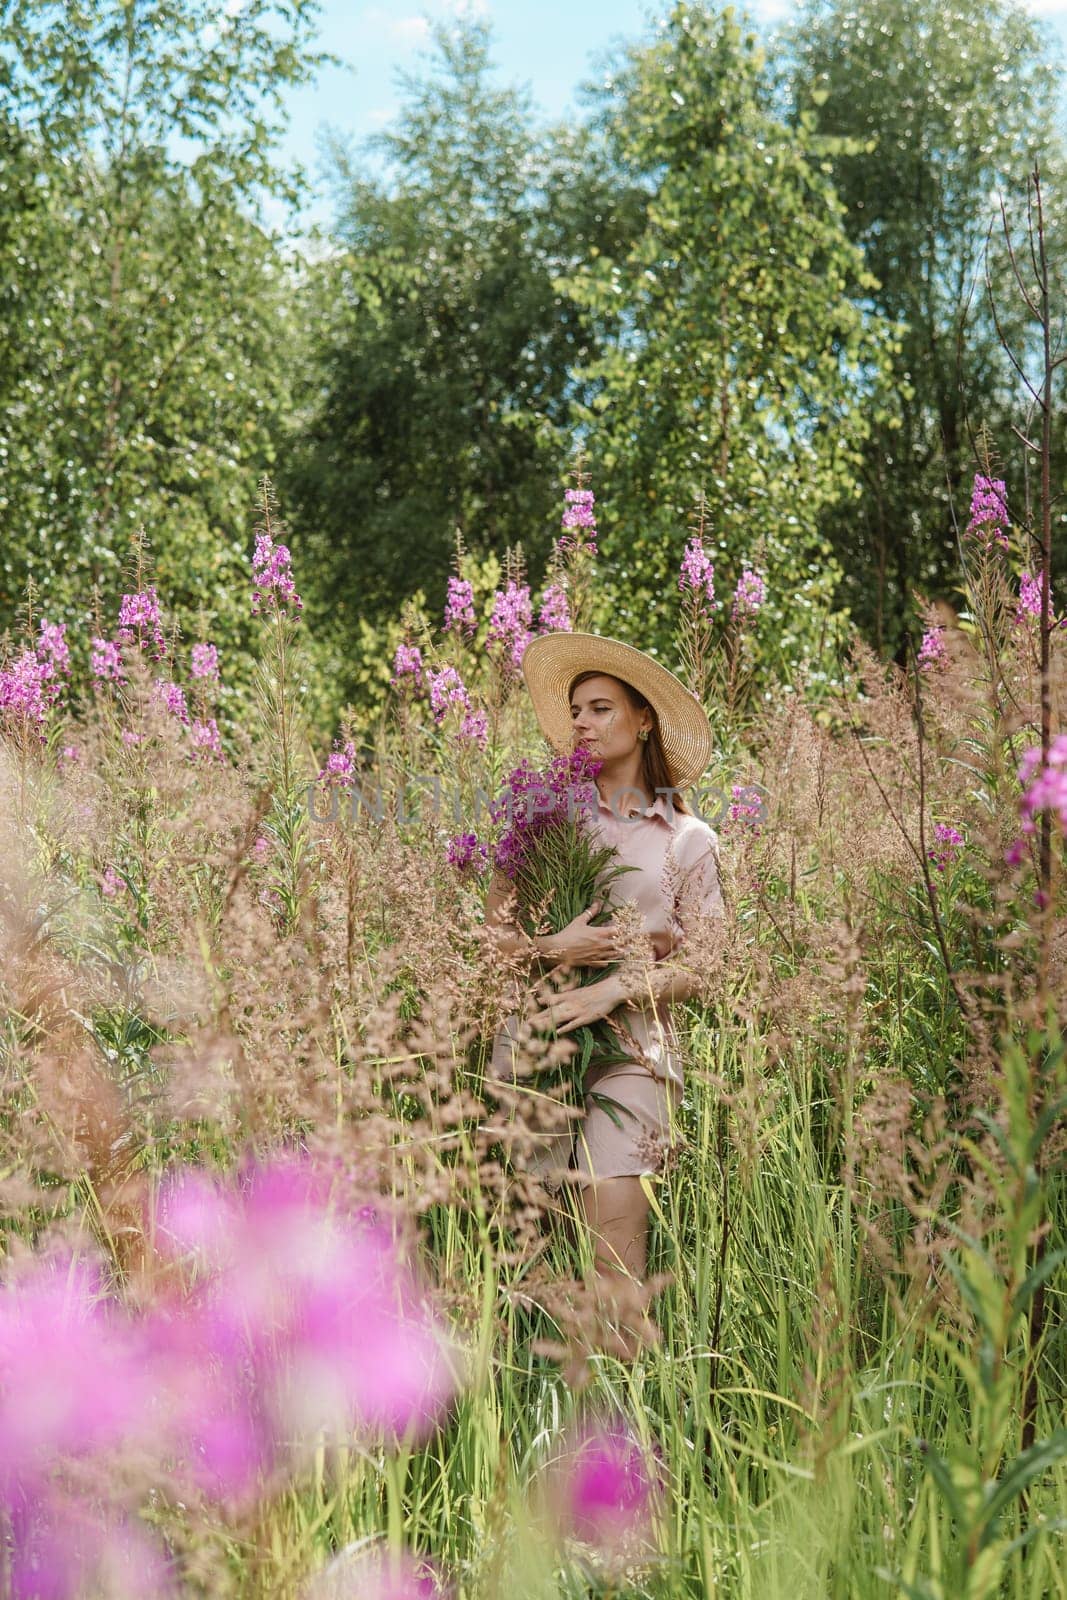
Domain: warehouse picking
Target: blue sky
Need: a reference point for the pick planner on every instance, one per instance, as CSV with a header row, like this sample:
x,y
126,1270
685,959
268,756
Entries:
x,y
550,45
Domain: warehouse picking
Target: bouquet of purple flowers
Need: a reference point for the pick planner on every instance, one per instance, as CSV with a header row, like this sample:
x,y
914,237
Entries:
x,y
557,868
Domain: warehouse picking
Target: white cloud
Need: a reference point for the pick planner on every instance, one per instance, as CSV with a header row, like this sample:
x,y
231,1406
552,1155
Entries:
x,y
405,31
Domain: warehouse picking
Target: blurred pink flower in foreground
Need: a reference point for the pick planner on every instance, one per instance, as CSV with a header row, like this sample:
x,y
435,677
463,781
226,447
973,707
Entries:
x,y
604,1491
1044,788
301,1319
311,1320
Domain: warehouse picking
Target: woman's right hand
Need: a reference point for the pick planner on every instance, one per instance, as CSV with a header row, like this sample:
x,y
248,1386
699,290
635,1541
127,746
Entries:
x,y
579,944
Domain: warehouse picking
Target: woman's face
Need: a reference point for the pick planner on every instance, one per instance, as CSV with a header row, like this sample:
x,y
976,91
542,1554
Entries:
x,y
603,720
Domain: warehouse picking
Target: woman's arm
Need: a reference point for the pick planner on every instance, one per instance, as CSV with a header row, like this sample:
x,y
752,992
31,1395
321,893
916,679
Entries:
x,y
578,944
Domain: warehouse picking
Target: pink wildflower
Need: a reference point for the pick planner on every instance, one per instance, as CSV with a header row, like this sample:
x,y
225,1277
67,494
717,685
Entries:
x,y
1044,788
129,737
459,606
510,625
746,807
340,768
447,689
139,616
466,854
407,663
474,729
205,662
697,575
608,1491
578,522
948,841
205,737
172,696
989,512
932,650
105,662
110,883
272,579
749,596
555,613
24,692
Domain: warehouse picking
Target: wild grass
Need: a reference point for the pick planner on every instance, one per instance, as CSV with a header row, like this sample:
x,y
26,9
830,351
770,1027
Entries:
x,y
842,1377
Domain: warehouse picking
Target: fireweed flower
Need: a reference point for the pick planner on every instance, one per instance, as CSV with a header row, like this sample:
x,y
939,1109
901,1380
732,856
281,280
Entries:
x,y
56,1328
474,729
140,622
1028,605
105,662
407,663
172,697
749,596
578,522
205,662
533,801
447,689
110,883
24,697
989,512
65,1549
286,1278
340,768
466,854
459,606
606,1492
205,738
932,650
1044,787
746,808
272,580
510,625
697,575
948,841
555,613
53,653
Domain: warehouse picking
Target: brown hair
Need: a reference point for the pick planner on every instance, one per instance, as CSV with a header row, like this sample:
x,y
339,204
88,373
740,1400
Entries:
x,y
655,771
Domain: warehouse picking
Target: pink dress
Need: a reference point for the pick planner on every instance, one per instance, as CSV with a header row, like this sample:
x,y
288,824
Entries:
x,y
676,861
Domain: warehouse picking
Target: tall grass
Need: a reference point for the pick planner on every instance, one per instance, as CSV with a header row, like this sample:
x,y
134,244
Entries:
x,y
838,1377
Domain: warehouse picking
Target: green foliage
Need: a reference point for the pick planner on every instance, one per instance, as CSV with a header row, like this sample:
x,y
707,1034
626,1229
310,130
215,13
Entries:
x,y
436,388
942,107
143,308
740,363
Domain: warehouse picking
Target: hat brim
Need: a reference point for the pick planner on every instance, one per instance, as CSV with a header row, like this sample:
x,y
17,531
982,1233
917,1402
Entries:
x,y
552,661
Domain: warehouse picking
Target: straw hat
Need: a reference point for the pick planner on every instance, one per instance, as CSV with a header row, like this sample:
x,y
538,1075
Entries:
x,y
552,661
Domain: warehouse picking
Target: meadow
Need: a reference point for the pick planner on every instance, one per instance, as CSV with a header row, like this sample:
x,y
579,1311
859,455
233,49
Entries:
x,y
282,1312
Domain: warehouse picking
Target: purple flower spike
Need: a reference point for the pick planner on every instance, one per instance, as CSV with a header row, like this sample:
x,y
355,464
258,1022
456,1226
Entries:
x,y
140,621
555,613
932,651
989,512
205,662
407,663
459,607
510,626
948,842
105,662
697,575
273,586
578,522
749,596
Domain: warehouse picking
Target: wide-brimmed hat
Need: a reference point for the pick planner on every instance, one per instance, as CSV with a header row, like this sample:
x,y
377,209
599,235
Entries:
x,y
552,661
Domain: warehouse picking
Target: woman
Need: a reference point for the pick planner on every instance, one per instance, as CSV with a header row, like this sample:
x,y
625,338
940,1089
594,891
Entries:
x,y
652,739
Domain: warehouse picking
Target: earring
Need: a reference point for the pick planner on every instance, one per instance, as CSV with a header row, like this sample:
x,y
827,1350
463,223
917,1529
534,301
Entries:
x,y
642,734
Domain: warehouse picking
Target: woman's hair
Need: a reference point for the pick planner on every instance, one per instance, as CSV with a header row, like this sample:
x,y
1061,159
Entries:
x,y
655,772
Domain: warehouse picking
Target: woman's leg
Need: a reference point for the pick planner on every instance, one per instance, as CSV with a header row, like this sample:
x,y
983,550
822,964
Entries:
x,y
616,1213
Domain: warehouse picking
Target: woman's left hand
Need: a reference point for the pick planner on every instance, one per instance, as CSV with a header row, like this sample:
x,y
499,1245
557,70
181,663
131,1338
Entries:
x,y
579,1005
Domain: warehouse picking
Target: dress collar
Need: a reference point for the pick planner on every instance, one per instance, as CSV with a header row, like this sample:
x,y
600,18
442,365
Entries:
x,y
658,808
